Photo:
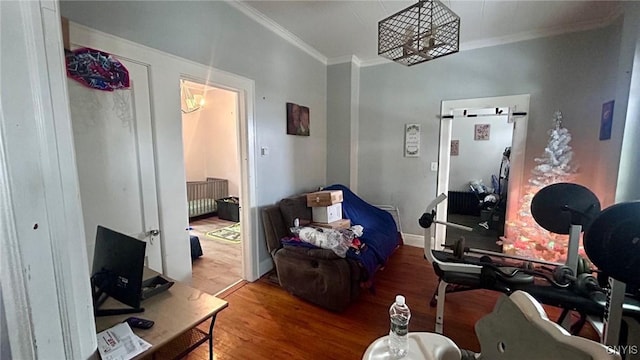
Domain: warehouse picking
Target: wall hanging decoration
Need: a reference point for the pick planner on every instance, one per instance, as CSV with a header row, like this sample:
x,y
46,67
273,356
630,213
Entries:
x,y
298,121
96,69
455,147
424,31
481,131
606,120
412,140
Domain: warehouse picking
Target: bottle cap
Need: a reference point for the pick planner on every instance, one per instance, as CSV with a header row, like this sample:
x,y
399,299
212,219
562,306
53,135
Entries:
x,y
400,299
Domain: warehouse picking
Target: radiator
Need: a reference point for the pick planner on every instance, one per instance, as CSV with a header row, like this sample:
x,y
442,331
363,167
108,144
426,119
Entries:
x,y
463,203
202,195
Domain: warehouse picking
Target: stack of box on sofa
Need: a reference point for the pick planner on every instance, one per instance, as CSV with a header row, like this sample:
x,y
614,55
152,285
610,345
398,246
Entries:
x,y
326,209
319,275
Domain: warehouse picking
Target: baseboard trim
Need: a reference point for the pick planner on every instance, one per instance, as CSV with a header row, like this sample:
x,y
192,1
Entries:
x,y
264,267
413,240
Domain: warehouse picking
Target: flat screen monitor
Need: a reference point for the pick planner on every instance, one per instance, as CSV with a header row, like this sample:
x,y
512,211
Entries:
x,y
118,263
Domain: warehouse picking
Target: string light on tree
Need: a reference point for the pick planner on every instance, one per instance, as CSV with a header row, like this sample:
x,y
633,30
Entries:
x,y
524,237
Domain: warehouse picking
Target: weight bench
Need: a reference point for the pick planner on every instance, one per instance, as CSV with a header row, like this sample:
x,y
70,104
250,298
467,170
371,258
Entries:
x,y
577,206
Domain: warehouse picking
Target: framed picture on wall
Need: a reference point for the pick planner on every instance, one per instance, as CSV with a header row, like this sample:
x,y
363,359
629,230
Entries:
x,y
298,121
455,147
412,140
606,120
481,132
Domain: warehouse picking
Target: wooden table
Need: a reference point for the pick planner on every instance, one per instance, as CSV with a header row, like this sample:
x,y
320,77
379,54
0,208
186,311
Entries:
x,y
176,312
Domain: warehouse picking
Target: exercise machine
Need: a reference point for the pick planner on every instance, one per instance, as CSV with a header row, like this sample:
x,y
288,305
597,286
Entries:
x,y
562,208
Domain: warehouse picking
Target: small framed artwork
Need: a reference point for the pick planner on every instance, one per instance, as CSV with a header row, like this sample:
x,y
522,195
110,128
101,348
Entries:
x,y
297,120
482,131
412,140
455,147
606,120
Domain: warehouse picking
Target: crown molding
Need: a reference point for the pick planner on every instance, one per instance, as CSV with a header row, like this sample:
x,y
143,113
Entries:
x,y
345,59
260,18
523,36
553,31
376,60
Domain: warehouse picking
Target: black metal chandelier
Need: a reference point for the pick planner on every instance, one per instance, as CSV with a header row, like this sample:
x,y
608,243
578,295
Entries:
x,y
424,31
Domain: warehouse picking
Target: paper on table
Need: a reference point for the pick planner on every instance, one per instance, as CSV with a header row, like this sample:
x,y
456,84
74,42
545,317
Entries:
x,y
120,343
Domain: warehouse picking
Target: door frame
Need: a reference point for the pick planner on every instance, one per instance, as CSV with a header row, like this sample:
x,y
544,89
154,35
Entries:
x,y
169,69
45,275
515,103
246,131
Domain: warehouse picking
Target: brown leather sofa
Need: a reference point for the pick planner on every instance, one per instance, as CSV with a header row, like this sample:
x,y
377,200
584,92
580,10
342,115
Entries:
x,y
316,275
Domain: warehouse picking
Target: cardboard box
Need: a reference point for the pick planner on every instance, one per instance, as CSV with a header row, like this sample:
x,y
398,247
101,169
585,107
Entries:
x,y
324,198
327,214
336,225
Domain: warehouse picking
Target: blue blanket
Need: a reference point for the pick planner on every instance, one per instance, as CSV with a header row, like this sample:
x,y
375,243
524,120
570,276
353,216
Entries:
x,y
380,231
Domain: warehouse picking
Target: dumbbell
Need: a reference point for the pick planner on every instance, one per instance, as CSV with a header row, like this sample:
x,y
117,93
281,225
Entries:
x,y
563,275
585,284
458,248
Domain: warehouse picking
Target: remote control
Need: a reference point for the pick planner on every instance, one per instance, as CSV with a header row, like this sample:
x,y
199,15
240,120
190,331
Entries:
x,y
139,323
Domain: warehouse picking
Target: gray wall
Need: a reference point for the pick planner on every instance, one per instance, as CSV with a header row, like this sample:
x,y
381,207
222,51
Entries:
x,y
5,346
216,34
339,122
574,73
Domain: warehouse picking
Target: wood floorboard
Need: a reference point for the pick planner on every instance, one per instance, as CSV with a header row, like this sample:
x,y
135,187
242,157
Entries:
x,y
264,322
221,263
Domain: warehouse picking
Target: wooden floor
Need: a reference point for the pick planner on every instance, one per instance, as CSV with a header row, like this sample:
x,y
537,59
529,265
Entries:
x,y
265,322
221,263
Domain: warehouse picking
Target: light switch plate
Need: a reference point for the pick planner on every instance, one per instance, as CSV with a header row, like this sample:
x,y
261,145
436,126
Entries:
x,y
434,166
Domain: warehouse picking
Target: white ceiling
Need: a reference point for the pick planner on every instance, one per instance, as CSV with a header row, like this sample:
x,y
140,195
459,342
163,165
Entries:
x,y
334,30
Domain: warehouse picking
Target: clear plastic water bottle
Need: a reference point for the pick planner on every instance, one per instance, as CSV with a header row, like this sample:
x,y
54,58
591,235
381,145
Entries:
x,y
399,314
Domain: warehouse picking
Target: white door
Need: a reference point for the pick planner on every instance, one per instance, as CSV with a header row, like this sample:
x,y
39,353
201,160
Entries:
x,y
114,152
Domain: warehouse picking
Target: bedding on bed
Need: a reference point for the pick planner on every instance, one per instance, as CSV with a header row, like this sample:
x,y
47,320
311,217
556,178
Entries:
x,y
201,206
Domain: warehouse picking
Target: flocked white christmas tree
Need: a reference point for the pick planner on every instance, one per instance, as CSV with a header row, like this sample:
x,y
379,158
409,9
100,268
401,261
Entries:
x,y
524,237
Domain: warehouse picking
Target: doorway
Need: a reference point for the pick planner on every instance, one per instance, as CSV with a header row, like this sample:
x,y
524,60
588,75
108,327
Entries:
x,y
211,138
481,162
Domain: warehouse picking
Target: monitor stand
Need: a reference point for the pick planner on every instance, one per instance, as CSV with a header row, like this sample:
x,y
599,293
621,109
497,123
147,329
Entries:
x,y
99,297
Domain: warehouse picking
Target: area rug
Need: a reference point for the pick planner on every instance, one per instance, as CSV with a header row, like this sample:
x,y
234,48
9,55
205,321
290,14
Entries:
x,y
228,234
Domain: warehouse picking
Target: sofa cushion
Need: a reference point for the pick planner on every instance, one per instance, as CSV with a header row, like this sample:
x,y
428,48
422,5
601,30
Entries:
x,y
324,282
295,207
324,254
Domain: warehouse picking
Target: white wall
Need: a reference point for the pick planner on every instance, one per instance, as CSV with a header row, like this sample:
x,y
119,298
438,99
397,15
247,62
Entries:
x,y
227,40
224,161
210,138
559,72
478,159
194,140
